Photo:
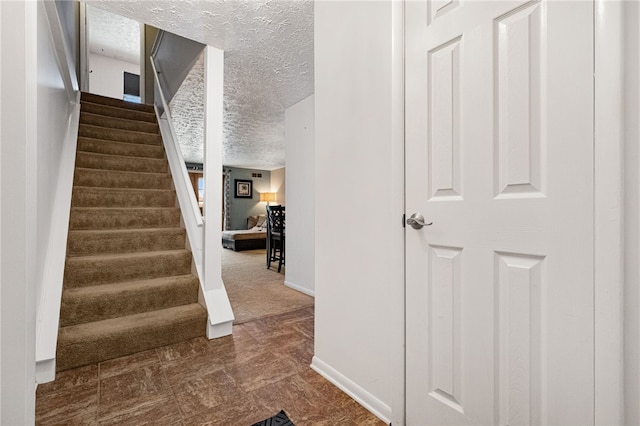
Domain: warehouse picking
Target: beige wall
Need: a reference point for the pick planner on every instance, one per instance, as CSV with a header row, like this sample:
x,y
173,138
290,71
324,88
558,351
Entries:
x,y
278,185
150,34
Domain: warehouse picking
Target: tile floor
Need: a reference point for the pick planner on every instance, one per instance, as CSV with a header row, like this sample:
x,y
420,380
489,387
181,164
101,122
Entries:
x,y
236,380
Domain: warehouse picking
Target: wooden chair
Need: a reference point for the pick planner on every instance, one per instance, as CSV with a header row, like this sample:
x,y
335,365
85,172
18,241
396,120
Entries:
x,y
275,236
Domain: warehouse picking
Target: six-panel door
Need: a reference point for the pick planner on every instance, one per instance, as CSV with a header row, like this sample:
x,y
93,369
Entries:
x,y
499,155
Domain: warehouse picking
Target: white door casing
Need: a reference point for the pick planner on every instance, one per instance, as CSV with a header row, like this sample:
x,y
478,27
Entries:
x,y
499,155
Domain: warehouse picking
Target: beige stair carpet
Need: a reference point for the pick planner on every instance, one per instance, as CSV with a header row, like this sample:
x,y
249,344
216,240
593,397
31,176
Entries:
x,y
128,285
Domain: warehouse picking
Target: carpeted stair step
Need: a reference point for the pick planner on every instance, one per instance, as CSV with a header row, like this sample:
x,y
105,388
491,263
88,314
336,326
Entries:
x,y
123,218
121,179
103,100
128,281
96,132
98,341
101,302
85,271
101,146
111,111
88,243
90,160
118,123
122,197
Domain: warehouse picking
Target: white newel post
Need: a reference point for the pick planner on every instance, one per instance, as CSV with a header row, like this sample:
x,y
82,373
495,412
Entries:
x,y
220,313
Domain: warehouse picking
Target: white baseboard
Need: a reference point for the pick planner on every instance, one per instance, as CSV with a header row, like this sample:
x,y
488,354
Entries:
x,y
300,289
361,396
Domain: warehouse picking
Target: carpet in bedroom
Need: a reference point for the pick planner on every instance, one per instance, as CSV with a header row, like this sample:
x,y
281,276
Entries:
x,y
255,291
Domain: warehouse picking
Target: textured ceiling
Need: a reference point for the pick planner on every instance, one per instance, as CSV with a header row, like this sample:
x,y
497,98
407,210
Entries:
x,y
114,36
268,64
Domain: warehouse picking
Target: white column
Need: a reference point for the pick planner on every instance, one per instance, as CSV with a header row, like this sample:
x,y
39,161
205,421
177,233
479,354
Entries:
x,y
220,313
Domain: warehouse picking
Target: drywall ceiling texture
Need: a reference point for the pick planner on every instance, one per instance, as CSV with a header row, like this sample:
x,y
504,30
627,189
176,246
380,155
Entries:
x,y
114,36
268,64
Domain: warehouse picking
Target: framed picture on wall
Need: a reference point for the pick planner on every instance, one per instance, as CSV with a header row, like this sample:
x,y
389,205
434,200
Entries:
x,y
244,188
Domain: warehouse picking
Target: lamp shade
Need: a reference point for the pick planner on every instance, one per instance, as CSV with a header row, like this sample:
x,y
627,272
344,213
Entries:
x,y
268,196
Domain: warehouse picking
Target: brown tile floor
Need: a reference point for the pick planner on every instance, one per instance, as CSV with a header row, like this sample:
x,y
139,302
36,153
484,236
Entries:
x,y
236,380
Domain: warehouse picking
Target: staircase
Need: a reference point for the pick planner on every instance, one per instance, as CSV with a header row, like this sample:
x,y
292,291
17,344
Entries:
x,y
128,285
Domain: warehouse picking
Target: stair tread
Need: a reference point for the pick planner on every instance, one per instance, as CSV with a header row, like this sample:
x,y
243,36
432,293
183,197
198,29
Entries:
x,y
91,331
120,144
89,304
122,197
149,174
102,268
128,285
99,154
90,138
92,342
110,189
93,218
173,229
112,162
85,242
114,130
121,107
117,256
124,208
120,120
117,112
111,118
109,101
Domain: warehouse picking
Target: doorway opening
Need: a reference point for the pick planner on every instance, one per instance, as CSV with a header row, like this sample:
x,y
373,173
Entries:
x,y
113,55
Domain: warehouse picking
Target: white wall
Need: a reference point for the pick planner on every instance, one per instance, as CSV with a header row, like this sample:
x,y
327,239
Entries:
x,y
359,273
2,342
69,13
107,75
54,109
299,143
19,27
632,214
278,185
34,115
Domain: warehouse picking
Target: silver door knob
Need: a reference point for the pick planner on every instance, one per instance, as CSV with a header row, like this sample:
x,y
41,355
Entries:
x,y
416,221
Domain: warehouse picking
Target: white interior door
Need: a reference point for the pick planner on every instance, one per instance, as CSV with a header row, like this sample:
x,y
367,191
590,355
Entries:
x,y
499,156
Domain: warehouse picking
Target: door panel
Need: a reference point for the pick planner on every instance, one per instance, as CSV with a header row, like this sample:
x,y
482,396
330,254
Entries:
x,y
499,155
